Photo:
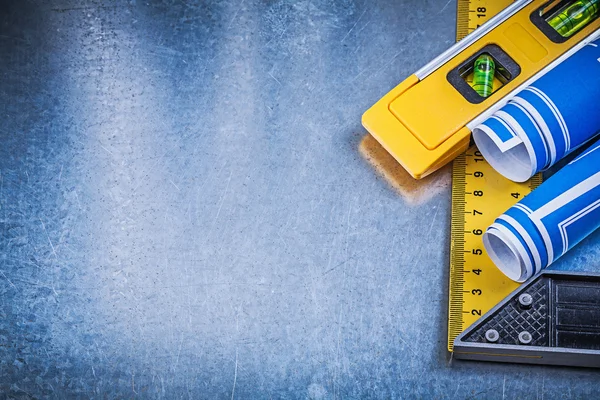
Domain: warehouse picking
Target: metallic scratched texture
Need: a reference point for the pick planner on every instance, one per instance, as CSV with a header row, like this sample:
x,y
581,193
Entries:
x,y
185,212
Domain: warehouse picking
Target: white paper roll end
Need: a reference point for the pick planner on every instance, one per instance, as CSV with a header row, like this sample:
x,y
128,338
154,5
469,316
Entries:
x,y
507,257
514,163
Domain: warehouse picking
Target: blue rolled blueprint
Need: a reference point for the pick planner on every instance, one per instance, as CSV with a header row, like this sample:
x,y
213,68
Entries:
x,y
547,119
548,222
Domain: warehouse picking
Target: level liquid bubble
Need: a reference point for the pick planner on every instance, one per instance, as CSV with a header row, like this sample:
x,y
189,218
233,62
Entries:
x,y
483,75
574,16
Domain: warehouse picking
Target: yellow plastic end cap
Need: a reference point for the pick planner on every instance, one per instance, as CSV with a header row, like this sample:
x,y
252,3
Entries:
x,y
418,160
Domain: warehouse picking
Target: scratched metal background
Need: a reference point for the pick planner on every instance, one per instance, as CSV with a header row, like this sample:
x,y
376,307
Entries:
x,y
185,211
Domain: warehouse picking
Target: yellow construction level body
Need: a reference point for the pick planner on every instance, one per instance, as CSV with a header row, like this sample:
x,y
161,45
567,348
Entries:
x,y
423,121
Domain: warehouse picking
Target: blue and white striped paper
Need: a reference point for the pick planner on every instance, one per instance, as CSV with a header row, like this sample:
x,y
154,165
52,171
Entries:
x,y
547,120
548,222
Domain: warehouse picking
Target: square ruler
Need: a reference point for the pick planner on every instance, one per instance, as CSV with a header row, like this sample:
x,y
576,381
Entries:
x,y
552,319
479,195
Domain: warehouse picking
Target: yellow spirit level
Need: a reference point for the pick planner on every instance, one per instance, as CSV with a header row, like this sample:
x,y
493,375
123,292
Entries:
x,y
424,121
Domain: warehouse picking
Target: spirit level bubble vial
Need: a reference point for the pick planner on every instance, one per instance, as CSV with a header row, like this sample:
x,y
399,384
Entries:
x,y
424,121
484,70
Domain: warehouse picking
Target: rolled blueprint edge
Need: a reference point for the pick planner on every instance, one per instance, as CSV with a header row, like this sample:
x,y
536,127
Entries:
x,y
507,253
515,163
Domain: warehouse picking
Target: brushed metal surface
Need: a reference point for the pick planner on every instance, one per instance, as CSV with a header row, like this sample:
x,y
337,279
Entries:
x,y
186,212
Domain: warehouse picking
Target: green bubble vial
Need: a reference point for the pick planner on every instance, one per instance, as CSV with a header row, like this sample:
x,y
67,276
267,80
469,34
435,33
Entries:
x,y
484,70
574,16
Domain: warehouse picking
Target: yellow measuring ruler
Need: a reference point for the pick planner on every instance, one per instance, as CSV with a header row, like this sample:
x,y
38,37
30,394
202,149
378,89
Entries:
x,y
471,14
479,196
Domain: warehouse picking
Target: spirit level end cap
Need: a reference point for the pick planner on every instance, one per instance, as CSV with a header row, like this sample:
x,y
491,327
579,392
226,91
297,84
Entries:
x,y
401,143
